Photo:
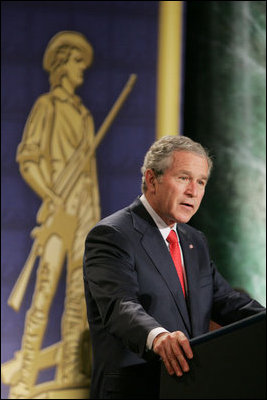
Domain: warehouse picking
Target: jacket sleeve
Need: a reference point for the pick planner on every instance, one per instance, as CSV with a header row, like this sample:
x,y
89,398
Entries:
x,y
113,290
230,305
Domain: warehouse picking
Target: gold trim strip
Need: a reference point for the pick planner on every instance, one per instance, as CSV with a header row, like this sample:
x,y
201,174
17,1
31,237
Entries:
x,y
169,68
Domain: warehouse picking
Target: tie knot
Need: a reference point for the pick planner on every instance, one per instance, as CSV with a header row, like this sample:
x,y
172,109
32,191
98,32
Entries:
x,y
172,238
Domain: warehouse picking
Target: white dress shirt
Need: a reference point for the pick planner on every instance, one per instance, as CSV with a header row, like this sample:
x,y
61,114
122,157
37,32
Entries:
x,y
164,230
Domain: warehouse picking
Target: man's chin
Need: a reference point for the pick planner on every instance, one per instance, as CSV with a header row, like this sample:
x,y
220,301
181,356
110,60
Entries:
x,y
183,219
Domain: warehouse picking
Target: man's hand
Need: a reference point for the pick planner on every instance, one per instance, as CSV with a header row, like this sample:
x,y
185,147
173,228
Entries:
x,y
172,348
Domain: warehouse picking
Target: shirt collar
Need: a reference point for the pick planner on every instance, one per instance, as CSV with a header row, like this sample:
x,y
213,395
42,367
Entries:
x,y
63,95
162,226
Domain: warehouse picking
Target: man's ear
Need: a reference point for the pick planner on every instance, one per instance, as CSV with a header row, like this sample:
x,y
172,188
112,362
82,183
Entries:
x,y
150,178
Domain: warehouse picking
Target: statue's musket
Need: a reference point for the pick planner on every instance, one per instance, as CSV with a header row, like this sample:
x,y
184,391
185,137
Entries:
x,y
114,111
11,369
68,177
41,234
20,286
18,291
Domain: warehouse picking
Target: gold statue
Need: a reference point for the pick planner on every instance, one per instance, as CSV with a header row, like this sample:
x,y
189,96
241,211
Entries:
x,y
57,159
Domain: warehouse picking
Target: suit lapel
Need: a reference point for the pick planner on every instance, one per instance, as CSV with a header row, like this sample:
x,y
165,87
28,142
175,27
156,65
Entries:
x,y
189,249
157,250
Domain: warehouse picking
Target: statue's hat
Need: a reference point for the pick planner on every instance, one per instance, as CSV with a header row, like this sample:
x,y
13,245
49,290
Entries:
x,y
69,38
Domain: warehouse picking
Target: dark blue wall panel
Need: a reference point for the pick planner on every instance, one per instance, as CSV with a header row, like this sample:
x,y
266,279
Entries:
x,y
124,37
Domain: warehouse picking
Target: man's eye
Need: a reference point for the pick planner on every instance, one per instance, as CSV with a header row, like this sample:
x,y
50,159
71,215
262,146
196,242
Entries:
x,y
201,183
183,178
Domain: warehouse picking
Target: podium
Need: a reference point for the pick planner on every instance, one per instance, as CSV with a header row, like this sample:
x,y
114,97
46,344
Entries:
x,y
229,363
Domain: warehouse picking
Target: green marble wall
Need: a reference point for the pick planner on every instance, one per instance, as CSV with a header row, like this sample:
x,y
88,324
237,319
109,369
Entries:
x,y
224,109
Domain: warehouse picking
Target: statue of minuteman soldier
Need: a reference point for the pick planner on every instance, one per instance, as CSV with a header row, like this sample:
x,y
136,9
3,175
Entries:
x,y
59,131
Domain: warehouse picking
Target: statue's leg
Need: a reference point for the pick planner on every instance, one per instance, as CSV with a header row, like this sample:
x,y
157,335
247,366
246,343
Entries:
x,y
75,332
48,274
76,346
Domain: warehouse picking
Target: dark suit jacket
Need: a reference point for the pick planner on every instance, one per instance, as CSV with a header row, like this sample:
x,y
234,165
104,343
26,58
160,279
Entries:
x,y
131,287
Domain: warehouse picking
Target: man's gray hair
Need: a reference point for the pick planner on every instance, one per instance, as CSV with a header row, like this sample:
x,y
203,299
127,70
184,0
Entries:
x,y
159,156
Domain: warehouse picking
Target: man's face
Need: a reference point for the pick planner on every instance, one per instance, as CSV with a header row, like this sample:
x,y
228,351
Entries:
x,y
75,67
176,195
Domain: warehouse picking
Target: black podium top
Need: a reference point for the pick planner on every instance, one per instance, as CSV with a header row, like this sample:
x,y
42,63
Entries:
x,y
229,363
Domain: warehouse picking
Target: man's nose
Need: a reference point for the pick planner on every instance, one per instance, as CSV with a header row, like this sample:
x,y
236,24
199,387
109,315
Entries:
x,y
191,189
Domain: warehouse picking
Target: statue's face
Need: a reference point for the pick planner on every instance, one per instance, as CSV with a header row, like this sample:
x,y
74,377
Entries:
x,y
75,67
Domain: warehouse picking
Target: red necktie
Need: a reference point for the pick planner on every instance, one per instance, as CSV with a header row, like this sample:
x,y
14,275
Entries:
x,y
176,256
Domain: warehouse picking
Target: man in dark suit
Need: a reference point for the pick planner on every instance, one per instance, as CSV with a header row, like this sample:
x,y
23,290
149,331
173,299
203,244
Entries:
x,y
148,292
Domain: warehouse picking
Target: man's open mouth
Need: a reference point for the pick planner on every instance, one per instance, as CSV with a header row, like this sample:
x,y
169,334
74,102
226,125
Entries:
x,y
187,205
